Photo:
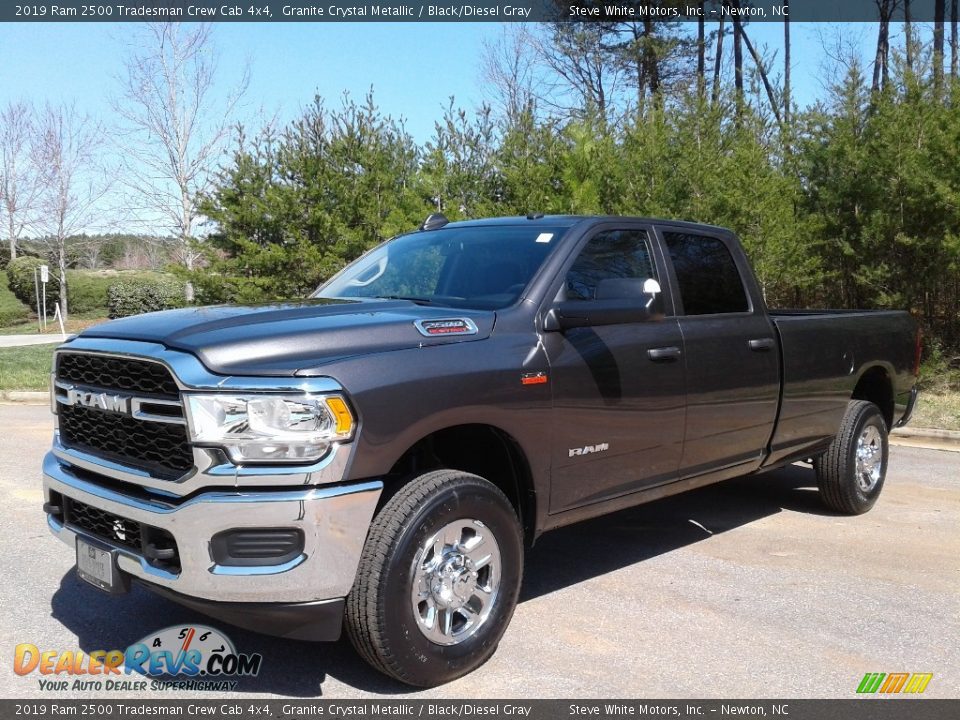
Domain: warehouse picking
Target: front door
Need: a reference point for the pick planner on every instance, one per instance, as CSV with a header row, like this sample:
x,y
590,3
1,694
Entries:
x,y
619,393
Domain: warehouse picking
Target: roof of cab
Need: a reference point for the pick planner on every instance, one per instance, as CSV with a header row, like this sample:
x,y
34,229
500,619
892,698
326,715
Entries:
x,y
571,220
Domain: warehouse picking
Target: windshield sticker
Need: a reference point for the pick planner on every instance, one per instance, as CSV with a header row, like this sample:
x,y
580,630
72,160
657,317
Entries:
x,y
447,326
544,237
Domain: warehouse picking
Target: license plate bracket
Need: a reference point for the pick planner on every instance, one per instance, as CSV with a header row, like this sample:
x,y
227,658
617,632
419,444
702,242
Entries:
x,y
97,565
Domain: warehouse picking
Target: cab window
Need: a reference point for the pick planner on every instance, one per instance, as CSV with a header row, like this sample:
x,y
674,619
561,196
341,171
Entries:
x,y
707,275
613,264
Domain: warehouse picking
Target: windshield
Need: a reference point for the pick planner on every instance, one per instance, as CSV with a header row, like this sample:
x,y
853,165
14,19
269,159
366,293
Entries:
x,y
486,268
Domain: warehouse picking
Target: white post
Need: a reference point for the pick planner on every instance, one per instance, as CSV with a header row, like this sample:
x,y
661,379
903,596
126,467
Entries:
x,y
36,287
58,316
44,279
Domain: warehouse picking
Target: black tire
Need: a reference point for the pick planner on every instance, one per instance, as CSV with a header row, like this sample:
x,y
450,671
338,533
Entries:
x,y
380,618
837,475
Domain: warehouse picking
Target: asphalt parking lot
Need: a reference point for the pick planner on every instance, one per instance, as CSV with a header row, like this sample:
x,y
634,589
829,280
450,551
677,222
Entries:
x,y
746,589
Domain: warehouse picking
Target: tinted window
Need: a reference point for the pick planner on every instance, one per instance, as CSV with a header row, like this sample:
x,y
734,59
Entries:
x,y
708,278
471,267
609,256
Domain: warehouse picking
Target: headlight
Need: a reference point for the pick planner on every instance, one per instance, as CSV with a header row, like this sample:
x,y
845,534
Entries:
x,y
269,428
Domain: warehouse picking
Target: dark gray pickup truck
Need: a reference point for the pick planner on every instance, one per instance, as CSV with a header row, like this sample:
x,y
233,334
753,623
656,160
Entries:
x,y
379,455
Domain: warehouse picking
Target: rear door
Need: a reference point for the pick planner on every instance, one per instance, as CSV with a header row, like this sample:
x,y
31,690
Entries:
x,y
618,389
729,348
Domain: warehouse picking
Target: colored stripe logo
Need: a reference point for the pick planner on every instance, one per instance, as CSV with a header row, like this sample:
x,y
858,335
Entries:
x,y
893,683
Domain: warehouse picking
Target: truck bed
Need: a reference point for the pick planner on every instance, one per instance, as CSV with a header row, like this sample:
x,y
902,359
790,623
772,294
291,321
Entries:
x,y
822,353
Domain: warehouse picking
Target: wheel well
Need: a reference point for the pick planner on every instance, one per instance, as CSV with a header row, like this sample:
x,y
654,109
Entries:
x,y
483,450
875,386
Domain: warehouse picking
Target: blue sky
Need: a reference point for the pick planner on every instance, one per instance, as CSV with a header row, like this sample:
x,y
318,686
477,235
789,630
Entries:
x,y
413,67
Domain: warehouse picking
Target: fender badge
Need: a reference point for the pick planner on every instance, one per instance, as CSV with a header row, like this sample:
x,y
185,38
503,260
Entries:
x,y
534,378
446,326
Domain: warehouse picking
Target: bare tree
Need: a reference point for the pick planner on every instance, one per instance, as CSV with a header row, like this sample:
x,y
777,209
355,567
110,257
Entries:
x,y
175,124
577,56
509,70
73,181
18,179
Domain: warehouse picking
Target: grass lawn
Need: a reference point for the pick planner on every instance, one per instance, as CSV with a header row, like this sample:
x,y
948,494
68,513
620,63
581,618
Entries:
x,y
26,368
75,323
940,410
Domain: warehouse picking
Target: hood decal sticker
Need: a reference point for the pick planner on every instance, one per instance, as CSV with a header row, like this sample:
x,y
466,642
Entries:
x,y
446,326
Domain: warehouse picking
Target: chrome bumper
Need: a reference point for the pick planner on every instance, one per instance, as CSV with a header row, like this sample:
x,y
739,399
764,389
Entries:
x,y
334,520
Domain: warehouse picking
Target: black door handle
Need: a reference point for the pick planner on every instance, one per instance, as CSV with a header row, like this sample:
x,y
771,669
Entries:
x,y
761,345
664,354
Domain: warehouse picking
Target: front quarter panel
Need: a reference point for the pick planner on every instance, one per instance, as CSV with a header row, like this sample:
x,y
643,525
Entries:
x,y
401,397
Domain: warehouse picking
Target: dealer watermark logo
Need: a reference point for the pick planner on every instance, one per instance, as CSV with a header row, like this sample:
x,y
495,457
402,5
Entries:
x,y
893,683
186,657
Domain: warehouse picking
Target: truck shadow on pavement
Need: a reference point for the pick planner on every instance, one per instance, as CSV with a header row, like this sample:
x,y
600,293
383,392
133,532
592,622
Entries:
x,y
589,549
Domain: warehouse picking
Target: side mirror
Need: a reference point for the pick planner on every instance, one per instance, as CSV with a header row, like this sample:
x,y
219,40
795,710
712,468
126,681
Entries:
x,y
594,313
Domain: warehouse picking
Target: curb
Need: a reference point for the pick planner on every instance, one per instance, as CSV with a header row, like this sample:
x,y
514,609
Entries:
x,y
25,397
910,432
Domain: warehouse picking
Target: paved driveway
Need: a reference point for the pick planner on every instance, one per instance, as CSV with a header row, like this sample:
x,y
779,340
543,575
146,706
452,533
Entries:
x,y
746,589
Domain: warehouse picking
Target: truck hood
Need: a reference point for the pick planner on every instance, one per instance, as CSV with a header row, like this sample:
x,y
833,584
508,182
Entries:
x,y
291,338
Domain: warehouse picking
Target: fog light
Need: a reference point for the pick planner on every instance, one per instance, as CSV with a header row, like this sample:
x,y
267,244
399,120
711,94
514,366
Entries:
x,y
250,547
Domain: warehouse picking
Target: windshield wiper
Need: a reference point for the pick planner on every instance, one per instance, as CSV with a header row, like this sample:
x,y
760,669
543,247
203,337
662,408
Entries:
x,y
411,298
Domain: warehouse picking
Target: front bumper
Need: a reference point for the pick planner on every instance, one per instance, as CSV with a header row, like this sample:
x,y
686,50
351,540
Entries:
x,y
333,518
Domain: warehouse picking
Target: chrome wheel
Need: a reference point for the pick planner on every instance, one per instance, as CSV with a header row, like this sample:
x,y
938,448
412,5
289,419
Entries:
x,y
869,458
456,580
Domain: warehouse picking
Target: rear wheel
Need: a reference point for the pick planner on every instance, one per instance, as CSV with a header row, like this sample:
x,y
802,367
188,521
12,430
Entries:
x,y
851,472
438,579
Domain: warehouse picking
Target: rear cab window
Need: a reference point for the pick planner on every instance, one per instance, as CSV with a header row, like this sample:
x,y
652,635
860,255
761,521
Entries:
x,y
708,280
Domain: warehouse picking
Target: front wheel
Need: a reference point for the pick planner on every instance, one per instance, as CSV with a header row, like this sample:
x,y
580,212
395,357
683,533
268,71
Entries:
x,y
851,472
438,579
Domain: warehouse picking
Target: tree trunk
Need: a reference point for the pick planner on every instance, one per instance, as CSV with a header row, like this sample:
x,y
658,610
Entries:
x,y
13,239
786,63
939,12
954,59
652,62
880,70
738,60
702,52
62,267
716,64
639,66
908,33
758,61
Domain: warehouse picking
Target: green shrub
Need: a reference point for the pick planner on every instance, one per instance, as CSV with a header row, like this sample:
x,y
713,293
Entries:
x,y
87,291
143,295
21,274
12,311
